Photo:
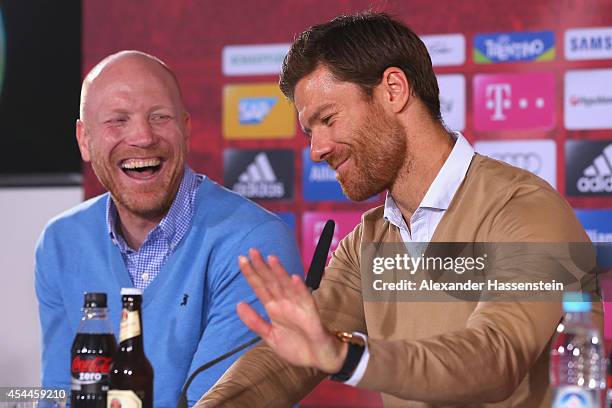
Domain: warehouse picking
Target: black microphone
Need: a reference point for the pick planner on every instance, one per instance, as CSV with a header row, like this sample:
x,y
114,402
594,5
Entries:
x,y
319,259
313,280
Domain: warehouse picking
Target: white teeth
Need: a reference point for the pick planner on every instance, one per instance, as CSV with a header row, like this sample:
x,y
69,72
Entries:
x,y
131,164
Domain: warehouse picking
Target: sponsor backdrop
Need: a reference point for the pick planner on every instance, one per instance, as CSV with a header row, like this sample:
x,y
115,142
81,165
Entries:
x,y
528,82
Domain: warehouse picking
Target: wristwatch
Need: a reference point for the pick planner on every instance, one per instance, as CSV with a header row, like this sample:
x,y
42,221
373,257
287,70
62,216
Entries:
x,y
356,347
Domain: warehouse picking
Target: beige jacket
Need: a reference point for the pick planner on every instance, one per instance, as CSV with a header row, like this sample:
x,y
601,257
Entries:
x,y
434,354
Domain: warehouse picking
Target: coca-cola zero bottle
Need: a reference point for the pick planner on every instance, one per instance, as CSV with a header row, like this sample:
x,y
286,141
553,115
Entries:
x,y
91,355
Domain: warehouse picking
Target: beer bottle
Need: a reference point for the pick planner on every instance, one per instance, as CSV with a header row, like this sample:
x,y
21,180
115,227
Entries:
x,y
131,373
91,355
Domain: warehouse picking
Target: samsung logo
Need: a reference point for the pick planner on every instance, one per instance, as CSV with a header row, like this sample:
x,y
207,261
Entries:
x,y
588,43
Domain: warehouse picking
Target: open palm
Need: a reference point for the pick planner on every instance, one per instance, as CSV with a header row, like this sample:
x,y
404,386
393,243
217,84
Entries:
x,y
295,332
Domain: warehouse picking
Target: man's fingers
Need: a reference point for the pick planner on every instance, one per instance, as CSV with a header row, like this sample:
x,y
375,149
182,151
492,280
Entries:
x,y
252,320
259,287
302,293
281,276
273,284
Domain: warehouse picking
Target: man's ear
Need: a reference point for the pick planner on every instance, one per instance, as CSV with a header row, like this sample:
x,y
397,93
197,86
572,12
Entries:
x,y
82,140
395,89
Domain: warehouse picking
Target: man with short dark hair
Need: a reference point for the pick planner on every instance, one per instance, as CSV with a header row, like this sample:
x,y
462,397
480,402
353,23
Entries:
x,y
367,97
161,228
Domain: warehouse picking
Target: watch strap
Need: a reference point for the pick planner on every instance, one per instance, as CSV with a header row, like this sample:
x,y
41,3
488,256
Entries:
x,y
353,356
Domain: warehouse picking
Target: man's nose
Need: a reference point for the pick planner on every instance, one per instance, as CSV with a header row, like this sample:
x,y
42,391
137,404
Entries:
x,y
321,146
142,134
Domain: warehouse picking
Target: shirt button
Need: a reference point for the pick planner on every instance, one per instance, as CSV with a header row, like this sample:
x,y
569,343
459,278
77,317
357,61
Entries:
x,y
145,276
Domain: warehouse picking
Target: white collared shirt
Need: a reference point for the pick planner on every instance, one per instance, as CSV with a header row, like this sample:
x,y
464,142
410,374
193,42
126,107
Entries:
x,y
427,216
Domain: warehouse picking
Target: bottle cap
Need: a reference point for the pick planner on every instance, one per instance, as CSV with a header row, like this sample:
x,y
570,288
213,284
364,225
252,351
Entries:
x,y
94,299
576,302
131,291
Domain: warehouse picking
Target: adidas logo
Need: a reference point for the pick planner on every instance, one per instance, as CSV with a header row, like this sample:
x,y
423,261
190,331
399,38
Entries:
x,y
597,178
252,111
259,180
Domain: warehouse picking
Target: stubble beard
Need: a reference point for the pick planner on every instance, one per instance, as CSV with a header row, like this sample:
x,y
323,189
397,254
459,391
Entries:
x,y
378,155
150,203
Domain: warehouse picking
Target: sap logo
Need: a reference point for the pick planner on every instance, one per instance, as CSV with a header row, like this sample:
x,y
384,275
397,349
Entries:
x,y
252,111
511,47
588,43
514,101
256,111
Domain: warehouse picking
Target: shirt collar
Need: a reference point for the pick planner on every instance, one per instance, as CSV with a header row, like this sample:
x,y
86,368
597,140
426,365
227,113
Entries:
x,y
175,223
445,185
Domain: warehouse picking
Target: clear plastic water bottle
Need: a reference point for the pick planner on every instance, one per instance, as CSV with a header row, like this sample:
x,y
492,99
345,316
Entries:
x,y
577,357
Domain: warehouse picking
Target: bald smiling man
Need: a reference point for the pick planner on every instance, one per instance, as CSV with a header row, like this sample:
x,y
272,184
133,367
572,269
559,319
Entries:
x,y
161,227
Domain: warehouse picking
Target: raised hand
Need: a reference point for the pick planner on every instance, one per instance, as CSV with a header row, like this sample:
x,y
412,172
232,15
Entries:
x,y
296,332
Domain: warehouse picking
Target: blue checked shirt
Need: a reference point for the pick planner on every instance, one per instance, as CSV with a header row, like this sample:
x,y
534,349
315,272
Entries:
x,y
144,265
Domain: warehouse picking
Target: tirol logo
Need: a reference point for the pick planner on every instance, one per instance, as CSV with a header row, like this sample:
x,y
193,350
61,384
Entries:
x,y
536,156
256,111
588,99
452,100
260,59
589,167
319,181
513,47
312,227
588,43
252,111
514,101
445,49
260,174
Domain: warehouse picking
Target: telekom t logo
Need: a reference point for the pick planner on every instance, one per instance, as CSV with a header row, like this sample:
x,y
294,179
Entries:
x,y
498,100
514,101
